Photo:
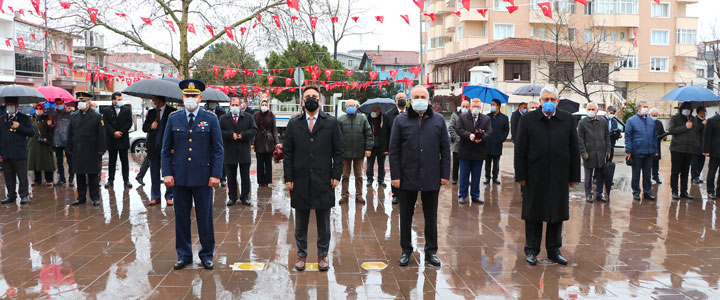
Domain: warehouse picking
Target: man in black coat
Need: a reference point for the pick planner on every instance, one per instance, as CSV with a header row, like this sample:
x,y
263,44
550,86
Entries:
x,y
245,107
400,105
375,119
118,121
214,107
494,147
238,128
419,164
515,119
711,149
313,164
86,144
154,125
615,132
15,128
698,159
547,163
472,149
661,136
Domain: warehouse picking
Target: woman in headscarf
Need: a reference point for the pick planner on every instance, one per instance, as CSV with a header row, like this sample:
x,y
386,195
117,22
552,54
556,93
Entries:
x,y
40,152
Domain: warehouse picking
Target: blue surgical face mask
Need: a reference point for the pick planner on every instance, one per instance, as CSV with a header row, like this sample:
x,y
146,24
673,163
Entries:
x,y
549,107
493,109
686,112
32,111
234,110
60,107
351,110
524,110
420,105
97,110
654,118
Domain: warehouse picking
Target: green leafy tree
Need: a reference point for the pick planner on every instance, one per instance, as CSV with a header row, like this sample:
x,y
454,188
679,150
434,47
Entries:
x,y
226,55
362,95
629,110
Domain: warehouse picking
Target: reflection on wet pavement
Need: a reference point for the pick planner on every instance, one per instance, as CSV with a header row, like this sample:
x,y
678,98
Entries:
x,y
123,249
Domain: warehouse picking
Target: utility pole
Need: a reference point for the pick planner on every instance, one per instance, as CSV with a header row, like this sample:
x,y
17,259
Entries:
x,y
45,41
422,64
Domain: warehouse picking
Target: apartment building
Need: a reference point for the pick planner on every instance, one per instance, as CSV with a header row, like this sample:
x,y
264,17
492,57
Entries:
x,y
655,44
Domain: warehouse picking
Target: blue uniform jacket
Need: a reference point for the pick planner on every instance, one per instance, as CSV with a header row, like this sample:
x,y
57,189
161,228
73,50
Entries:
x,y
198,150
13,142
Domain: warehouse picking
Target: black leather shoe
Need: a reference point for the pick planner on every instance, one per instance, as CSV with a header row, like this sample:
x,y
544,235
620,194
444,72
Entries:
x,y
108,184
686,196
599,197
181,264
395,200
433,260
531,259
230,202
454,182
589,199
8,201
208,264
657,180
478,200
96,202
223,182
404,259
462,200
697,180
649,197
139,180
128,184
486,181
246,202
636,197
71,183
712,195
675,196
558,259
495,181
78,202
24,200
59,183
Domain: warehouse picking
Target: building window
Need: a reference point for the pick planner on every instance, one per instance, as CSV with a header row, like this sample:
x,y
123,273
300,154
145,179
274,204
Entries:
x,y
628,62
701,73
588,35
459,33
597,72
659,37
517,70
627,6
501,5
687,36
613,35
350,63
622,35
571,34
502,31
564,71
658,64
661,10
543,33
588,8
603,34
614,6
28,65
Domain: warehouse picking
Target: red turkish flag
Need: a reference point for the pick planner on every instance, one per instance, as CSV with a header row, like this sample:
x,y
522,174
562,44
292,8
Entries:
x,y
291,70
22,12
431,16
294,18
93,14
8,43
546,9
420,4
657,1
313,22
254,24
259,71
212,31
21,43
483,11
288,81
466,4
512,9
270,79
584,2
457,13
229,32
190,27
88,76
308,69
294,4
242,30
147,20
394,73
32,35
65,5
171,24
277,21
69,61
406,18
380,19
349,72
314,76
36,5
373,75
334,19
328,72
355,19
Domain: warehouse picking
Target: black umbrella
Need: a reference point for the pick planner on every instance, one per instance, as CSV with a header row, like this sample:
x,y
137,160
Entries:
x,y
568,105
528,90
210,94
20,94
385,105
148,88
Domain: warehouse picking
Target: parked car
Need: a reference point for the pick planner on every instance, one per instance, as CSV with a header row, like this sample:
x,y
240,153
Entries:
x,y
620,144
137,142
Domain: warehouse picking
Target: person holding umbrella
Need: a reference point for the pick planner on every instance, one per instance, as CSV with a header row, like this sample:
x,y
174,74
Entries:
x,y
15,128
86,144
685,131
399,107
154,125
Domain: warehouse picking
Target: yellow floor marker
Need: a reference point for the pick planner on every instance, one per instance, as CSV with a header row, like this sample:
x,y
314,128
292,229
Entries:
x,y
311,267
374,265
248,266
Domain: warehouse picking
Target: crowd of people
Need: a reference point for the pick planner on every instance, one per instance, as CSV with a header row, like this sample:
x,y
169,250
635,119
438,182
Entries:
x,y
192,149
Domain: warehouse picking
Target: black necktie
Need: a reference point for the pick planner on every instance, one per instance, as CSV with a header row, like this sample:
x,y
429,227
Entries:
x,y
192,120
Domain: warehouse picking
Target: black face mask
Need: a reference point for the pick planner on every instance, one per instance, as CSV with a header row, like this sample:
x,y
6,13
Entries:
x,y
402,103
311,104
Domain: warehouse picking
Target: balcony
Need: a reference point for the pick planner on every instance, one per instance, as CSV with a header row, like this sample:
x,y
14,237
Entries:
x,y
472,15
686,22
471,41
686,50
684,76
616,20
537,17
629,75
450,22
687,1
450,47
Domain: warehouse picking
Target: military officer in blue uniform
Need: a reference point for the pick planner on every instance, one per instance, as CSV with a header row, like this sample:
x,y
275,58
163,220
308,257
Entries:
x,y
192,161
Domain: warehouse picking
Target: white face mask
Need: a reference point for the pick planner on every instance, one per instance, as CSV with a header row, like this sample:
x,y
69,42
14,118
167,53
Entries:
x,y
493,109
81,105
464,110
592,114
263,108
644,111
191,103
686,112
39,112
420,105
475,111
610,116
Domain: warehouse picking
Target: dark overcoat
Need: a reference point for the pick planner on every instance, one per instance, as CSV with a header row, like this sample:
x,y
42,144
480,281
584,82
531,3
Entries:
x,y
594,141
13,142
118,122
155,136
500,131
237,151
712,137
40,151
464,127
86,141
547,159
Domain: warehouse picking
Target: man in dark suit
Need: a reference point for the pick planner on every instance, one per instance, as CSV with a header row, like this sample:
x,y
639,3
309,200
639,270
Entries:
x,y
615,132
472,150
313,164
494,148
400,105
244,106
238,128
155,123
15,128
192,159
86,144
661,136
698,159
515,119
711,149
118,121
547,163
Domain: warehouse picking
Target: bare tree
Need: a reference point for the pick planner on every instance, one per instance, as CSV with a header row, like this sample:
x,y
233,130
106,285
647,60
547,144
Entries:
x,y
292,29
709,51
345,26
180,12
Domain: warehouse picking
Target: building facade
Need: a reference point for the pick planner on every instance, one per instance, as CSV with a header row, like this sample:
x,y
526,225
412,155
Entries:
x,y
656,44
383,61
